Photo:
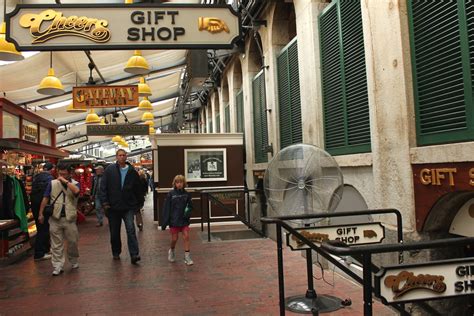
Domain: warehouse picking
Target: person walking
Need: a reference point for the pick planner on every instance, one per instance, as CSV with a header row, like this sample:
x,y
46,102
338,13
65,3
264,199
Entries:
x,y
139,214
177,213
64,193
96,184
121,196
38,187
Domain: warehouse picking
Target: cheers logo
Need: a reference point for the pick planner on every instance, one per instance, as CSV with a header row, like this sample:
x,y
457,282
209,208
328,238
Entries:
x,y
405,282
50,24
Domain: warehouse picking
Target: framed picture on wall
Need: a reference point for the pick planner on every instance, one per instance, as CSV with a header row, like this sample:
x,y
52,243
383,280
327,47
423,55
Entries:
x,y
205,164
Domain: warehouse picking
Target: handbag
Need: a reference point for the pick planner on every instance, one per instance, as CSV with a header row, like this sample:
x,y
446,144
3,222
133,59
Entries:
x,y
48,209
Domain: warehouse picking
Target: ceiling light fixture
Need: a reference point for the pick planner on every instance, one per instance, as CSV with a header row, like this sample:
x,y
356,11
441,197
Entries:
x,y
145,105
143,88
50,85
137,64
147,116
92,118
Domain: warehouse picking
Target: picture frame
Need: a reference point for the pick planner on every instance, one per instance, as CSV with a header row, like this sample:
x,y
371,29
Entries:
x,y
205,164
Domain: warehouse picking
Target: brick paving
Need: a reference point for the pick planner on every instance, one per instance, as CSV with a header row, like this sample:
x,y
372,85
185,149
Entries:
x,y
228,278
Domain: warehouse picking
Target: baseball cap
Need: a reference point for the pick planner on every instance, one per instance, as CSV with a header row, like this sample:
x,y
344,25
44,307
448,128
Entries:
x,y
48,166
99,167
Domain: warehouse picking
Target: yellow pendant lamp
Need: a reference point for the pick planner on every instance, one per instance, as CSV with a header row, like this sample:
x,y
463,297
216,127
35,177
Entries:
x,y
72,109
8,51
50,85
150,123
137,64
152,131
123,144
143,88
145,105
92,117
102,121
116,139
147,116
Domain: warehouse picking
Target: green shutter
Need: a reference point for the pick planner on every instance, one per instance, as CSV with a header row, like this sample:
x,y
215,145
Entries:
x,y
227,119
344,79
442,38
259,118
209,127
239,110
218,123
289,96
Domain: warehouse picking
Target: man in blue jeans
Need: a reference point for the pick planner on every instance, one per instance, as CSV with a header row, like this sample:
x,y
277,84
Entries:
x,y
121,196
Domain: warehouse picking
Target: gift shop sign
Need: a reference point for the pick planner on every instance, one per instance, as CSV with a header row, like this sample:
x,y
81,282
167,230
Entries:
x,y
112,26
433,280
432,181
354,234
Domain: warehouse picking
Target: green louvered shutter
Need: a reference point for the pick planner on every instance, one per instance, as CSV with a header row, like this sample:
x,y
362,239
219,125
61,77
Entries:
x,y
209,126
260,118
218,123
227,119
442,43
289,96
344,79
239,110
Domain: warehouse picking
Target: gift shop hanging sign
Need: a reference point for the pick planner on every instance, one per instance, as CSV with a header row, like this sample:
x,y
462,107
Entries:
x,y
109,26
433,280
104,96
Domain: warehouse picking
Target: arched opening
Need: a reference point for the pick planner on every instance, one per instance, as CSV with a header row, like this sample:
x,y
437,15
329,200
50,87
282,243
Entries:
x,y
284,24
449,210
351,200
255,54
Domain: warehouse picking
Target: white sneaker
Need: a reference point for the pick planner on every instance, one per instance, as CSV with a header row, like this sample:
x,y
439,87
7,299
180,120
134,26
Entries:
x,y
75,265
57,271
171,255
187,259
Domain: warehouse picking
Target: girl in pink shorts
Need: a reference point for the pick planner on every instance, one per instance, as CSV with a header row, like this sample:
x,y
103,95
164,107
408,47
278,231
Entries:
x,y
176,213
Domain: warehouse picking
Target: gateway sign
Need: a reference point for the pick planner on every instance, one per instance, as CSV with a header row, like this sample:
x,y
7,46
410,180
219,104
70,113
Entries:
x,y
99,27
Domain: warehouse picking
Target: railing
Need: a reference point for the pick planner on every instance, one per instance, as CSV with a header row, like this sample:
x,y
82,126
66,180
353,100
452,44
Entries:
x,y
210,196
338,248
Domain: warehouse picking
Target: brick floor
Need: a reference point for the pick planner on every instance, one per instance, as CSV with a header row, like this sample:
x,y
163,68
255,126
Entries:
x,y
228,278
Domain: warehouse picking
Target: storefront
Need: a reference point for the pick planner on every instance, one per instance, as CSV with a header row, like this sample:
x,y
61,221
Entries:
x,y
27,140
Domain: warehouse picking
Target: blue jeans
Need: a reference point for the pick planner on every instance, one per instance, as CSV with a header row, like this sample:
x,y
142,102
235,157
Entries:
x,y
115,225
98,210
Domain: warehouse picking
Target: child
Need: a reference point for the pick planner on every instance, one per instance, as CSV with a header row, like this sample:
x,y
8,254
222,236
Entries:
x,y
176,213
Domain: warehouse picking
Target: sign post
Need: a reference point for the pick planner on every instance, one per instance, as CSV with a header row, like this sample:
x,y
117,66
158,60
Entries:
x,y
71,27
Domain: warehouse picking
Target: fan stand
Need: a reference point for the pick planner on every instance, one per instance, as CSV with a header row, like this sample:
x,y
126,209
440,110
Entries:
x,y
311,303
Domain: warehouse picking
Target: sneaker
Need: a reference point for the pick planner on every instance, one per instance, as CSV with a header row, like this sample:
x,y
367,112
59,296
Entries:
x,y
57,271
45,257
187,259
75,265
171,255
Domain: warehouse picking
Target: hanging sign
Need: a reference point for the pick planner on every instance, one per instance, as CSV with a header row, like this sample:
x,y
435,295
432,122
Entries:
x,y
414,282
30,131
353,234
117,129
111,26
104,96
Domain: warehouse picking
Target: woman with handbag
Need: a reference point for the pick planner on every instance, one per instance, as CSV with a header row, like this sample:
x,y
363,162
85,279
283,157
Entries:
x,y
64,193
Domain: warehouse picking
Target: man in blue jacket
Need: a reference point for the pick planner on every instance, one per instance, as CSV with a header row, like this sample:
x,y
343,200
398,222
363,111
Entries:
x,y
121,196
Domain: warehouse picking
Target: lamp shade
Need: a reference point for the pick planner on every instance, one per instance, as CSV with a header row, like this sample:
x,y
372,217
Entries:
x,y
71,109
150,123
152,131
116,139
8,51
92,117
145,105
147,116
143,88
137,64
102,121
50,85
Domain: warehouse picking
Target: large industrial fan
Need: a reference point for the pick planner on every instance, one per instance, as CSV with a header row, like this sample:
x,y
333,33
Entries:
x,y
304,179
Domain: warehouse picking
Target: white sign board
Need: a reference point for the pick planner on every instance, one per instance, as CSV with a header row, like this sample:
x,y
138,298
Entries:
x,y
121,26
433,280
353,234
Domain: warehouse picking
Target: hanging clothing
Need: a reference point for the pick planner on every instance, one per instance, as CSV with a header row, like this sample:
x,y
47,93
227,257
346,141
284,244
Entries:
x,y
19,206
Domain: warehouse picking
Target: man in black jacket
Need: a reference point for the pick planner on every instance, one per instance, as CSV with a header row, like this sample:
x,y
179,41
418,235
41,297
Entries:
x,y
121,196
